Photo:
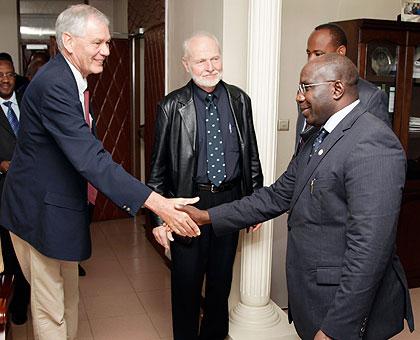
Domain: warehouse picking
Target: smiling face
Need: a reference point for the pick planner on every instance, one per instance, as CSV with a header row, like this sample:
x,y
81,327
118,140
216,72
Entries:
x,y
8,79
204,62
317,104
88,53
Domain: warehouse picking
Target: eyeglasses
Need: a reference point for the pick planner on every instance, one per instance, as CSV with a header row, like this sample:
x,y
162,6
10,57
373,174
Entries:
x,y
302,88
8,75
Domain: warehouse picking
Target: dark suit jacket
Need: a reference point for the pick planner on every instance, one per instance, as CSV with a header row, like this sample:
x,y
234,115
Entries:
x,y
375,100
174,159
342,271
7,140
45,193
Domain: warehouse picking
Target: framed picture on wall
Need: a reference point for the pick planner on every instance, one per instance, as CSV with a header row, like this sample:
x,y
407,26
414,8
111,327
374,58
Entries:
x,y
410,10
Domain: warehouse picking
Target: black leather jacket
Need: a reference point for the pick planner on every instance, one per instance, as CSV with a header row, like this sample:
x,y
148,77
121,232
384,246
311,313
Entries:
x,y
174,158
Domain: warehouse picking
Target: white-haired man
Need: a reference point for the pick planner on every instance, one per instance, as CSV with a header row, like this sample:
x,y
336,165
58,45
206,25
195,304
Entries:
x,y
205,146
45,198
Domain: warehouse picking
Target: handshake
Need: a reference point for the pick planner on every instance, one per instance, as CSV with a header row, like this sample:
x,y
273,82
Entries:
x,y
182,218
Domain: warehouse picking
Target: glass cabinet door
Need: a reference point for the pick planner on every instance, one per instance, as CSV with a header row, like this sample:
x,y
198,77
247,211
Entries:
x,y
381,69
413,145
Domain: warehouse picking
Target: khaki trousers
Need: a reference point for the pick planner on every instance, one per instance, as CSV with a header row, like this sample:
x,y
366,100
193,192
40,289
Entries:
x,y
54,292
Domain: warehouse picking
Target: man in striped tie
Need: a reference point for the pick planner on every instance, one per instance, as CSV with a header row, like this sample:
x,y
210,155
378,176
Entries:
x,y
9,127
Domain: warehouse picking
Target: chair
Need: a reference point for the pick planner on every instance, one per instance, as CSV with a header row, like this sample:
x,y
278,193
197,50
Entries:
x,y
6,294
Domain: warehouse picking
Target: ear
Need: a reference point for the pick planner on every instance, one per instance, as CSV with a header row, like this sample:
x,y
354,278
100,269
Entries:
x,y
339,89
185,63
341,50
68,42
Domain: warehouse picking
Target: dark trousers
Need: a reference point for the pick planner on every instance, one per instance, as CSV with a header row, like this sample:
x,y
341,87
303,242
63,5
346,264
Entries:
x,y
22,292
192,259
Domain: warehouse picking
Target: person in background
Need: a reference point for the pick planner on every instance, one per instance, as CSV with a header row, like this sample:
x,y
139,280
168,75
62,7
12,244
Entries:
x,y
20,81
205,145
9,127
330,38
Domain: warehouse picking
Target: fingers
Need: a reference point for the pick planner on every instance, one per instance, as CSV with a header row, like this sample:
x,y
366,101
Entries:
x,y
256,227
185,201
161,236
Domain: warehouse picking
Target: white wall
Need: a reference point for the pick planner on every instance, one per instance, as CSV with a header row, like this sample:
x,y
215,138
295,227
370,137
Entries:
x,y
298,20
184,18
9,29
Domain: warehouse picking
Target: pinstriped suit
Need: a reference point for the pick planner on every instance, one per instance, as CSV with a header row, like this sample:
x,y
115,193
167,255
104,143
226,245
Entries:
x,y
342,271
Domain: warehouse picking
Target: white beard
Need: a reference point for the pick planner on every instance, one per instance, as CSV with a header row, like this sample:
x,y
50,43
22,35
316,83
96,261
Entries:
x,y
207,82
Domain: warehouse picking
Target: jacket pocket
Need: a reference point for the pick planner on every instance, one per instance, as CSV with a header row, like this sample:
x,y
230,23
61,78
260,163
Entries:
x,y
67,202
328,275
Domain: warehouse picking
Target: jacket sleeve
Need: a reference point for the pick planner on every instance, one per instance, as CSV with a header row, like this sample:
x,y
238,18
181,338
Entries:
x,y
374,180
378,106
159,167
62,117
256,170
264,204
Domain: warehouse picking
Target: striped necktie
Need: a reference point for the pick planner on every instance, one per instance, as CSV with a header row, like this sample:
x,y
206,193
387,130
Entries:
x,y
12,118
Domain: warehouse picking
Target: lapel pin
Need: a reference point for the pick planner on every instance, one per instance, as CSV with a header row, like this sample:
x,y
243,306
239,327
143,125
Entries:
x,y
320,152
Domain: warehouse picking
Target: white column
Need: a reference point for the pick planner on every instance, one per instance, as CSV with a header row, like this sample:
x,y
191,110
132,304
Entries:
x,y
256,316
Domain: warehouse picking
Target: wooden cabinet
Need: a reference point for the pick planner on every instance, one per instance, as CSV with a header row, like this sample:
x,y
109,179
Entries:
x,y
387,53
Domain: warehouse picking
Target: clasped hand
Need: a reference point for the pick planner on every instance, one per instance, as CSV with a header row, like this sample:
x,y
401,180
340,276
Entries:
x,y
163,233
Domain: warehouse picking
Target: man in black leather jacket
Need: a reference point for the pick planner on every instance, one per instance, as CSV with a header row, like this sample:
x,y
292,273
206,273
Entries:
x,y
182,166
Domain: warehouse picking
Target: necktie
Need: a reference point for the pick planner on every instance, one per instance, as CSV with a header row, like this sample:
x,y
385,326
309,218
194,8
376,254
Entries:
x,y
318,140
215,156
92,192
12,118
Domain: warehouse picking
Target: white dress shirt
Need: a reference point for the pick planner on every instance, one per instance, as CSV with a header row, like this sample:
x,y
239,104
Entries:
x,y
15,105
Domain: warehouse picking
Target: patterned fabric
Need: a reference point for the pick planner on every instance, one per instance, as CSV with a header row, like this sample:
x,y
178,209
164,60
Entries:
x,y
215,156
318,140
12,118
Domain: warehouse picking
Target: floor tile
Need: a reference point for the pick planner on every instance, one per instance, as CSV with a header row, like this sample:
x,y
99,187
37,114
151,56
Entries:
x,y
150,304
117,305
150,281
129,327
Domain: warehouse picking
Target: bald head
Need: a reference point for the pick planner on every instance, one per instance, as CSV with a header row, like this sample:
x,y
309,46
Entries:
x,y
335,66
328,84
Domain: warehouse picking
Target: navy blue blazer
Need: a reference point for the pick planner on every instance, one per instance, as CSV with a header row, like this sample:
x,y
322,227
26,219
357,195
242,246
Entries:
x,y
45,193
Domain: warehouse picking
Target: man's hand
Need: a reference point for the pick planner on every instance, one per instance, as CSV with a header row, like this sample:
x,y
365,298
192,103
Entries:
x,y
163,236
254,228
199,216
321,336
178,221
4,166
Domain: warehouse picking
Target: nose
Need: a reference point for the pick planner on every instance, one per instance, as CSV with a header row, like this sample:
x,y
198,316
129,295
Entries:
x,y
311,56
300,97
105,49
209,66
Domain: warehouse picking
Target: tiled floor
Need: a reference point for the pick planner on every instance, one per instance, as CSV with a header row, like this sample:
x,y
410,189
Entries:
x,y
126,292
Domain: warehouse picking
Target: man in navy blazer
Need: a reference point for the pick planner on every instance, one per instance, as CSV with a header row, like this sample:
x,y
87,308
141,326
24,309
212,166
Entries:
x,y
330,38
342,192
45,197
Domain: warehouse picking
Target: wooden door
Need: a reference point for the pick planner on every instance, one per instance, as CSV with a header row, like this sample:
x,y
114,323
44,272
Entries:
x,y
110,93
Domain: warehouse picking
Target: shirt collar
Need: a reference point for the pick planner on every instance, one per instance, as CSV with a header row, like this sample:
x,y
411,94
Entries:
x,y
201,94
80,81
11,99
337,117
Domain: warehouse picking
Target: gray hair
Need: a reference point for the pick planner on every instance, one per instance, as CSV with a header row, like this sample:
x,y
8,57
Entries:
x,y
186,43
74,19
